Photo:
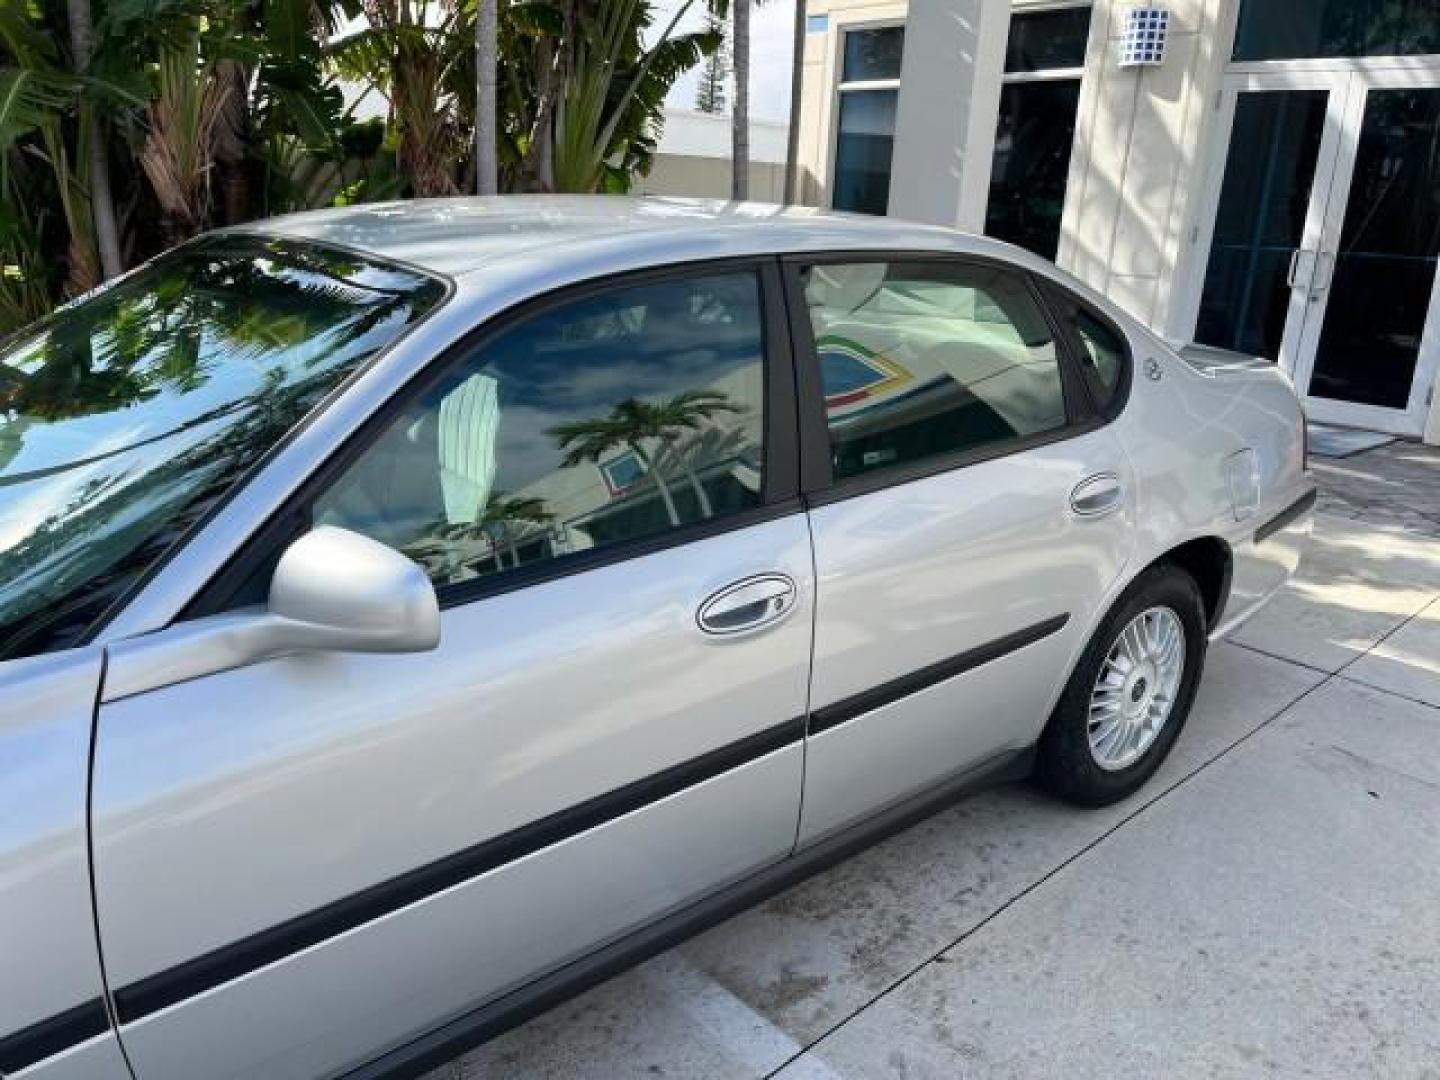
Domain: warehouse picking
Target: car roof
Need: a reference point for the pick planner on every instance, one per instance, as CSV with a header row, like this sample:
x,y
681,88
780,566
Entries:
x,y
458,236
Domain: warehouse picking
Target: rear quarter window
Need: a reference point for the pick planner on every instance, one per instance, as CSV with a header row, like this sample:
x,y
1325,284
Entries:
x,y
1099,347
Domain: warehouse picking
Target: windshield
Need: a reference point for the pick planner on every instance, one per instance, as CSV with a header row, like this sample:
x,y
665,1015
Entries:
x,y
125,416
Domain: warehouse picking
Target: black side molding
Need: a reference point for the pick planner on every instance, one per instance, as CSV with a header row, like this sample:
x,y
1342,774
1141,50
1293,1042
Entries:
x,y
195,976
496,1017
185,980
1297,509
45,1038
848,709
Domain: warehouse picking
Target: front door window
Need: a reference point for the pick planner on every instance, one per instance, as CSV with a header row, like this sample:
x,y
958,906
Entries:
x,y
614,417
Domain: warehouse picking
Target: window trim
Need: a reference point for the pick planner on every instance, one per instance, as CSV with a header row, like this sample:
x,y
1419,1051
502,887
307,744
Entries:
x,y
779,493
818,484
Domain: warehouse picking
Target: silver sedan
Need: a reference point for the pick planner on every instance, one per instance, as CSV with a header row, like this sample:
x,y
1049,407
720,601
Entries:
x,y
413,613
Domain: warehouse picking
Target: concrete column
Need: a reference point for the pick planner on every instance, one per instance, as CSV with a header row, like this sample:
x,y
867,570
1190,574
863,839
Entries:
x,y
1144,138
949,105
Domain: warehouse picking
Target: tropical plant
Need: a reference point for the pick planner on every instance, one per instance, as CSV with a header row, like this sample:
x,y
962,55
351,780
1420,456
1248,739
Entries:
x,y
411,52
606,73
179,139
126,125
632,423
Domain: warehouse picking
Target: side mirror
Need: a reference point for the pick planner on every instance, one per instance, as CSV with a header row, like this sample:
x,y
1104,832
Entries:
x,y
333,590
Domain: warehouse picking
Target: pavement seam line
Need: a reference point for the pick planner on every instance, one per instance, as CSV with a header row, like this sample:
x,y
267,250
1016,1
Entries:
x,y
1056,870
1353,680
1330,677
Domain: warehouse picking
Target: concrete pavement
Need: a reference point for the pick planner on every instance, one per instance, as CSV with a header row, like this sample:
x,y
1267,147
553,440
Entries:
x,y
1266,905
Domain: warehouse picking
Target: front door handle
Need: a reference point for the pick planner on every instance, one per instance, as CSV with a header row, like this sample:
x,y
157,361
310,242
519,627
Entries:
x,y
1097,495
748,604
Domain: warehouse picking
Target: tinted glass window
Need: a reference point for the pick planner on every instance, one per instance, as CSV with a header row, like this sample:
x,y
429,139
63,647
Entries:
x,y
872,54
1103,355
1260,222
616,416
923,360
1032,163
125,416
1042,40
863,150
1288,29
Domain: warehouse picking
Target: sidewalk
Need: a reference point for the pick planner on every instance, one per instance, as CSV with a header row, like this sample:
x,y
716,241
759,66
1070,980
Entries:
x,y
1266,905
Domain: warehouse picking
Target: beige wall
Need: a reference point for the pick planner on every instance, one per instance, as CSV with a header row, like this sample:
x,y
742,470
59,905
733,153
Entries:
x,y
1142,143
822,73
709,178
1140,146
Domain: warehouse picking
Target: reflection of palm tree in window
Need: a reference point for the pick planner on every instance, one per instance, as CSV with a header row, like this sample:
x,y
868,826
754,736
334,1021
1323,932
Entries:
x,y
449,547
633,422
501,516
702,451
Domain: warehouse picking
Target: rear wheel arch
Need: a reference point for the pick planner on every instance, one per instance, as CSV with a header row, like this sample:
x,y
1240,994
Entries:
x,y
1209,560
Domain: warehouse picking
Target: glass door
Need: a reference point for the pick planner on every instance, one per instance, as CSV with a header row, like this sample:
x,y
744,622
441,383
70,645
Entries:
x,y
1267,211
1371,340
1331,190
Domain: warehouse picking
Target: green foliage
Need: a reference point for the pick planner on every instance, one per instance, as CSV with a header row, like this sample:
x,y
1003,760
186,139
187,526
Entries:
x,y
212,112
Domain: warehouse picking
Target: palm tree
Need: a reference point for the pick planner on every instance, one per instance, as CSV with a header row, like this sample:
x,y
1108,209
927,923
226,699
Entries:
x,y
631,423
595,97
93,149
740,117
487,29
177,153
797,85
503,511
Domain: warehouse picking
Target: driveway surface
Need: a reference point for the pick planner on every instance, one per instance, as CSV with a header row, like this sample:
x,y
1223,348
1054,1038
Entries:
x,y
1269,904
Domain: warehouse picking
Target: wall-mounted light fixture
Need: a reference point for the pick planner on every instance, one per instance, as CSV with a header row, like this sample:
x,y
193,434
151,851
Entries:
x,y
1143,42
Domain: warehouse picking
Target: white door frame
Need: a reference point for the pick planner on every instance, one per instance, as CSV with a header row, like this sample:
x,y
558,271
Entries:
x,y
1349,82
1409,420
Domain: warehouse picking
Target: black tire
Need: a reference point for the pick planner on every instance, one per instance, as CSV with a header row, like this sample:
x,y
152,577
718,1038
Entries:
x,y
1065,764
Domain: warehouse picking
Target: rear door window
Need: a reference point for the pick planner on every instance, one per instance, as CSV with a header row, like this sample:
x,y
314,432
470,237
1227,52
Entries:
x,y
919,361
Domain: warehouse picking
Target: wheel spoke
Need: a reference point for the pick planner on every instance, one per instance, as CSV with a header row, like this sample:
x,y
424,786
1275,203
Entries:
x,y
1136,688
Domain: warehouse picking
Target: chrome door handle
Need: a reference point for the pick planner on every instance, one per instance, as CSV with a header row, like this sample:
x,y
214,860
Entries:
x,y
748,604
1097,495
1290,274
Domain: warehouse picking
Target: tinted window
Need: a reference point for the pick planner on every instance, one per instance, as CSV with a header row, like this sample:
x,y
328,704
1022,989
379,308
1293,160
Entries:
x,y
1033,138
1042,40
864,147
1103,356
617,416
125,416
1285,29
1260,221
872,54
923,360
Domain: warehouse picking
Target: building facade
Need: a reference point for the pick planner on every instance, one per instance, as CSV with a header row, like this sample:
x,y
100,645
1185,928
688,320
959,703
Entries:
x,y
1258,175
